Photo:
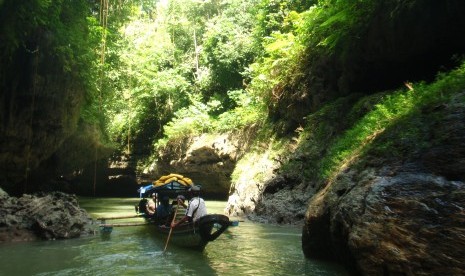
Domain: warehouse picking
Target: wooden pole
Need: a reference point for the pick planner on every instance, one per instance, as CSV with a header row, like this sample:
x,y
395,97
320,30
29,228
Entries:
x,y
171,227
122,217
123,224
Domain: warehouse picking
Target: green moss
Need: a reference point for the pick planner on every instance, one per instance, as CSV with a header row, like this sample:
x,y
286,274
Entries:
x,y
397,109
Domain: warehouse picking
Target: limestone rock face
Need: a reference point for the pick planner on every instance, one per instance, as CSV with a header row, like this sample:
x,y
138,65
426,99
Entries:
x,y
285,204
276,198
403,223
122,179
447,157
40,107
50,216
208,160
262,190
394,216
247,189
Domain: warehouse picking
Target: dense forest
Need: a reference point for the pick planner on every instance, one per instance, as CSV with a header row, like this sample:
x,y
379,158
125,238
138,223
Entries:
x,y
130,77
345,116
143,73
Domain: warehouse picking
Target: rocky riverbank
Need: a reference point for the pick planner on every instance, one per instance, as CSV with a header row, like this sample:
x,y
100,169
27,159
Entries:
x,y
398,215
399,212
42,217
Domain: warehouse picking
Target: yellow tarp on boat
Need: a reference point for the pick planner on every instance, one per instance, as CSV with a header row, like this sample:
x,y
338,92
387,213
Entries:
x,y
173,177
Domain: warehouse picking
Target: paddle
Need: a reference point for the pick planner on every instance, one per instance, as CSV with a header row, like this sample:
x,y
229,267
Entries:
x,y
171,227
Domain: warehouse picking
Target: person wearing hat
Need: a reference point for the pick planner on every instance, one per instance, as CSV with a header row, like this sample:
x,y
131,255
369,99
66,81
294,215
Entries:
x,y
195,209
180,207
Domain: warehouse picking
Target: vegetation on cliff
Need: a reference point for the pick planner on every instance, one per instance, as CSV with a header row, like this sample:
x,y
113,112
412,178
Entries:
x,y
45,70
331,94
155,72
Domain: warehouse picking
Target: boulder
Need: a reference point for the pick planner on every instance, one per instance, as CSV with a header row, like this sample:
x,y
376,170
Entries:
x,y
402,224
48,216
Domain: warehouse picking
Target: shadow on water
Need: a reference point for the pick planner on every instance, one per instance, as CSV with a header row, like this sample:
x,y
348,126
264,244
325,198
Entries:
x,y
247,249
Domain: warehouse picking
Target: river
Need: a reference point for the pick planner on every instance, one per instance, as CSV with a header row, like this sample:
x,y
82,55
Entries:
x,y
247,249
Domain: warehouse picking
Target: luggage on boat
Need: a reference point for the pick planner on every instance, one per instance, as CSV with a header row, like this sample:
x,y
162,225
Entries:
x,y
173,177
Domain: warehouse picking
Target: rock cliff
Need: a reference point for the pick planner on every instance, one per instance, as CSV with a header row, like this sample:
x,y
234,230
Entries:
x,y
39,109
398,215
208,160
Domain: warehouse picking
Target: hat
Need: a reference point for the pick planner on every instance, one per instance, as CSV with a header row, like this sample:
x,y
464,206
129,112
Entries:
x,y
194,189
181,197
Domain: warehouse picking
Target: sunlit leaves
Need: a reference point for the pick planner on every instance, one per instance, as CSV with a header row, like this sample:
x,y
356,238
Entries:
x,y
280,59
193,48
228,47
386,113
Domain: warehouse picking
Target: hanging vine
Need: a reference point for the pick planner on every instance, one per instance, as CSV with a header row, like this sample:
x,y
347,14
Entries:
x,y
30,132
104,7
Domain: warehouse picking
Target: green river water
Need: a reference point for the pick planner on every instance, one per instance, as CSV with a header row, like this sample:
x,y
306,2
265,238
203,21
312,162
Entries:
x,y
248,249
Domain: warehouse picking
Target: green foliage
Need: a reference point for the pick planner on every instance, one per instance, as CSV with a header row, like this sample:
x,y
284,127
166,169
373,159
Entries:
x,y
23,25
146,86
183,67
232,40
57,30
196,119
249,110
333,24
227,50
189,121
392,108
273,15
179,70
282,55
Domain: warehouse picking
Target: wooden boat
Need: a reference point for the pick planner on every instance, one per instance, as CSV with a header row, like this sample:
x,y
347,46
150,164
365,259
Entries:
x,y
195,235
189,235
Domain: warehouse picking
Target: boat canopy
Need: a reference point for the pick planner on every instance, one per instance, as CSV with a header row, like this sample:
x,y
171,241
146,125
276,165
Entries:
x,y
167,184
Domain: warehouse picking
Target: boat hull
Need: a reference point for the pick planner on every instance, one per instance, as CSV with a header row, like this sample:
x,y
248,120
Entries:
x,y
195,235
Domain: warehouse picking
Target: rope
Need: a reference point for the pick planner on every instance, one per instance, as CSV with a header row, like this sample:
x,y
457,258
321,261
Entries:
x,y
103,22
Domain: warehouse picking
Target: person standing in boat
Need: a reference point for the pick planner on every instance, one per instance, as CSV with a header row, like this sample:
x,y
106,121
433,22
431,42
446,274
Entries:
x,y
195,209
181,207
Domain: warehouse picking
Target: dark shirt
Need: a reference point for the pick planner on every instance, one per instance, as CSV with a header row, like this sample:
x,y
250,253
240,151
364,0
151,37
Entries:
x,y
163,210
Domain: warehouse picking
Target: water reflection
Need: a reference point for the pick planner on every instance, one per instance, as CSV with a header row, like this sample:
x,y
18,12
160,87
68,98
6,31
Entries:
x,y
257,249
248,249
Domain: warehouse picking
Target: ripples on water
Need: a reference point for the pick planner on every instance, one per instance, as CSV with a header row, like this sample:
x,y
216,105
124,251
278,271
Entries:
x,y
248,249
